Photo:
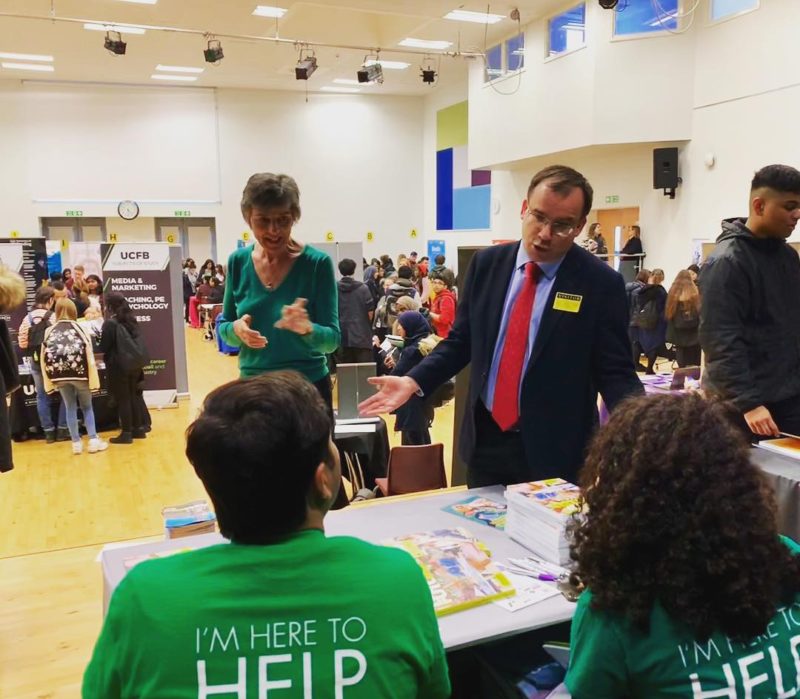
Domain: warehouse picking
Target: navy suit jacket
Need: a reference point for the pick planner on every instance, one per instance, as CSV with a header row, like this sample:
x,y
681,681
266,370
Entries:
x,y
575,356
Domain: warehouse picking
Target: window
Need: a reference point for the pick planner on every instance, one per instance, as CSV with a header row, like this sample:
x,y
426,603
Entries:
x,y
494,62
720,9
505,58
646,17
515,52
567,31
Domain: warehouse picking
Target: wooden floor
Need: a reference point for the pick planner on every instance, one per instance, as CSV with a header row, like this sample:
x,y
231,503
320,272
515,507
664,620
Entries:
x,y
57,510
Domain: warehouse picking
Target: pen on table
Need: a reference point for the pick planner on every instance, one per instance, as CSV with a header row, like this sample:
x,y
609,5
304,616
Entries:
x,y
537,565
547,577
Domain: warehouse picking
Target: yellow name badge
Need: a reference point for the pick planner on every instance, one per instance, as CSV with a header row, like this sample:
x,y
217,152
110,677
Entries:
x,y
571,303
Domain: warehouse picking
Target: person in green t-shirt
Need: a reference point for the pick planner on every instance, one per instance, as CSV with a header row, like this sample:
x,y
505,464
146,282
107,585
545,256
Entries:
x,y
690,590
281,304
282,611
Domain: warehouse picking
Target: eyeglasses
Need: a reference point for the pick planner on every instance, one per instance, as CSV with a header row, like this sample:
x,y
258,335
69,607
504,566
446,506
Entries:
x,y
280,222
560,228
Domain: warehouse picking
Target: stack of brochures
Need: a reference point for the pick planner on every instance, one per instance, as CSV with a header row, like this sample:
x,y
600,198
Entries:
x,y
538,514
458,568
189,519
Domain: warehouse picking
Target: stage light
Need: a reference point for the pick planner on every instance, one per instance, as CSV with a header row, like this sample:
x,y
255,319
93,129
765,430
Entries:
x,y
305,67
213,54
370,74
608,4
115,44
428,75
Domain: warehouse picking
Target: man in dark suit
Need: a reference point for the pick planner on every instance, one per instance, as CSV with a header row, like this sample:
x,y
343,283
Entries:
x,y
545,327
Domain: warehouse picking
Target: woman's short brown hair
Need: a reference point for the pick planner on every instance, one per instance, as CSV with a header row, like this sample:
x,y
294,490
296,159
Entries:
x,y
268,191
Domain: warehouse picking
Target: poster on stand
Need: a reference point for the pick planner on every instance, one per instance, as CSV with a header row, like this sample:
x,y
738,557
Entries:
x,y
28,257
141,273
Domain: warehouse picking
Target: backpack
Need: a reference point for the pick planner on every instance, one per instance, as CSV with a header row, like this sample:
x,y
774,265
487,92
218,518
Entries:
x,y
645,316
130,354
386,313
36,335
685,319
64,353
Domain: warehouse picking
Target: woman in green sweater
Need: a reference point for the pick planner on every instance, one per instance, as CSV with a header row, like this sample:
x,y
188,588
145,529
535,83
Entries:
x,y
281,302
690,592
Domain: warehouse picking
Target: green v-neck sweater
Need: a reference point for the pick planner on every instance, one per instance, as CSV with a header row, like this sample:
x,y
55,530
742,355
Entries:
x,y
311,277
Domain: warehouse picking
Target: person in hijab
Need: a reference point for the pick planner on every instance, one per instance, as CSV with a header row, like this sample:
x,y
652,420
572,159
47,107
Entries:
x,y
413,419
371,280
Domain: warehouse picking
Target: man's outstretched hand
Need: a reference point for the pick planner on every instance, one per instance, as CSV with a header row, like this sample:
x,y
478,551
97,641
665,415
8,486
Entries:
x,y
393,392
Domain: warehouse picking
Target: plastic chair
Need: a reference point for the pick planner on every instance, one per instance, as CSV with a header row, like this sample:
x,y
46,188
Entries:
x,y
413,469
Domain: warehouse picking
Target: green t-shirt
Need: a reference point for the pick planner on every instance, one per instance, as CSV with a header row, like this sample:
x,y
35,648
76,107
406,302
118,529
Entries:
x,y
310,617
610,658
311,277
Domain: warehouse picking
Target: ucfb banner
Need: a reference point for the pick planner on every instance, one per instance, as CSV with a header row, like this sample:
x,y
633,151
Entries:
x,y
28,257
140,272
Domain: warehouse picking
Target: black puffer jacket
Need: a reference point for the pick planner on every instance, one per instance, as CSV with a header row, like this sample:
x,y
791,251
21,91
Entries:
x,y
750,318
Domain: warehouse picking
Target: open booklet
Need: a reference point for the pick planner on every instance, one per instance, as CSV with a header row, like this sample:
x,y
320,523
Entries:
x,y
458,568
478,509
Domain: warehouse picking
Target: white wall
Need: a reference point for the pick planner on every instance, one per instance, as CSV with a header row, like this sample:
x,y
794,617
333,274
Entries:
x,y
358,159
17,212
114,142
141,229
620,91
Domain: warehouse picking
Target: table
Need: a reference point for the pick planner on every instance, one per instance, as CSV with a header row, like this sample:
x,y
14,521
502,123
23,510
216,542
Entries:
x,y
24,417
783,474
379,520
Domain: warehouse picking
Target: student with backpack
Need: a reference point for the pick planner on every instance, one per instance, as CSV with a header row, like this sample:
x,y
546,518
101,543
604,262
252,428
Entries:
x,y
650,319
67,364
125,357
30,337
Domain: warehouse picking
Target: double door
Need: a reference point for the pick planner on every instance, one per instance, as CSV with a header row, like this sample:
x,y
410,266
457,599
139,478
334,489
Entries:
x,y
196,236
74,230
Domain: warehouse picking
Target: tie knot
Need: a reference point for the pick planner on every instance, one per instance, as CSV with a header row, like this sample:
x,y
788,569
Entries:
x,y
532,271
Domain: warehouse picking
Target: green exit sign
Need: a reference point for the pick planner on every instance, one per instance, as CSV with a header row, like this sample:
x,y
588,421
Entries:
x,y
74,213
612,199
183,214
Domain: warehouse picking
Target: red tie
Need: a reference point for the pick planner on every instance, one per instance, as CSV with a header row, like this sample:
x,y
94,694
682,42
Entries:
x,y
505,407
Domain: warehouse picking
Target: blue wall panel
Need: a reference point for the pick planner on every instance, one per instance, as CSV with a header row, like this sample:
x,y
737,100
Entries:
x,y
444,190
472,208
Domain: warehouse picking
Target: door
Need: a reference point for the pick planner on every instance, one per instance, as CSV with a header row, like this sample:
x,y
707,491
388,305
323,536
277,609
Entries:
x,y
196,236
615,227
75,230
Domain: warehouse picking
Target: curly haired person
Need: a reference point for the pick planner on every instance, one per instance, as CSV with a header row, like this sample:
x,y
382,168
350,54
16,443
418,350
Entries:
x,y
690,592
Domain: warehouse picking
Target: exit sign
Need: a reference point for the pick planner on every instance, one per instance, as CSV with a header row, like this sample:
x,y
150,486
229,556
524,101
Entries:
x,y
183,214
612,199
74,213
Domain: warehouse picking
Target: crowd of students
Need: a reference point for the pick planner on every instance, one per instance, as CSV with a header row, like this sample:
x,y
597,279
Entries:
x,y
415,306
658,316
205,287
71,319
